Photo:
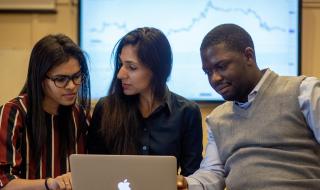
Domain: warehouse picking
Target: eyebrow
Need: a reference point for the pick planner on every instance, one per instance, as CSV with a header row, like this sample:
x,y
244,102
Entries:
x,y
128,61
221,62
60,75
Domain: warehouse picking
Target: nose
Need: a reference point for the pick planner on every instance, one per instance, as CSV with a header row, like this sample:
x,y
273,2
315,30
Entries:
x,y
70,85
216,77
122,74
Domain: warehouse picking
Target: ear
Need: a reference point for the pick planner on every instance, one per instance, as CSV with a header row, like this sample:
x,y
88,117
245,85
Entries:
x,y
250,55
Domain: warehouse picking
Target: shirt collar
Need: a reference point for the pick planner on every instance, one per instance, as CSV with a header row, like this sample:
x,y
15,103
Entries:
x,y
166,104
168,100
252,95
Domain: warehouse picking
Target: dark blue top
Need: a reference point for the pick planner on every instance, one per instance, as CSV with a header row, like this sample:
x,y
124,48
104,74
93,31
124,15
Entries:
x,y
174,128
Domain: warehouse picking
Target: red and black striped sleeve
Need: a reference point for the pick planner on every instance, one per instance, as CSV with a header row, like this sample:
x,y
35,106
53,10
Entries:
x,y
10,138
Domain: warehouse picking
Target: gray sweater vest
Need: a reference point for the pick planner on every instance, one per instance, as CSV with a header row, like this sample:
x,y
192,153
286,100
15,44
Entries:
x,y
268,146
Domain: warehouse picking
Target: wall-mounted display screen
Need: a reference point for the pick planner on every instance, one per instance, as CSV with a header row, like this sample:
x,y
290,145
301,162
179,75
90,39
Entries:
x,y
273,24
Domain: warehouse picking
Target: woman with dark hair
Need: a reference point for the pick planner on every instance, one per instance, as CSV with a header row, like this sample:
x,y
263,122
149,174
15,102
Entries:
x,y
141,115
48,121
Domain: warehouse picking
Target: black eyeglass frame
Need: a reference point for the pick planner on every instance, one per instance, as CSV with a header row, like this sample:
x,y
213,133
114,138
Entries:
x,y
67,79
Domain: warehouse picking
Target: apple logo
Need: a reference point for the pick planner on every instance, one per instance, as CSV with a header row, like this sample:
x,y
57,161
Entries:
x,y
124,185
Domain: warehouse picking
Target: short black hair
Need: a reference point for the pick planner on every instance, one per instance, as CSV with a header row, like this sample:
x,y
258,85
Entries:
x,y
232,36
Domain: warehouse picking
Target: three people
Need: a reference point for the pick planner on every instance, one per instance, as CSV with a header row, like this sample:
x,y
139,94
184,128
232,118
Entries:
x,y
265,136
48,121
141,115
267,133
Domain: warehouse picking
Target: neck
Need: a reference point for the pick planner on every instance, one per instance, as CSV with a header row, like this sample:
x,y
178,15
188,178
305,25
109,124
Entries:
x,y
256,77
147,105
50,107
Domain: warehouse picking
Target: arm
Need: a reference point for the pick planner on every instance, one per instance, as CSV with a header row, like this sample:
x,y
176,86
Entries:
x,y
10,157
191,141
62,182
211,172
309,100
95,142
23,184
11,126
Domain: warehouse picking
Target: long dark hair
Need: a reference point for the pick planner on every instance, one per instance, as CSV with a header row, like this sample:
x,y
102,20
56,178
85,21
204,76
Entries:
x,y
120,115
47,53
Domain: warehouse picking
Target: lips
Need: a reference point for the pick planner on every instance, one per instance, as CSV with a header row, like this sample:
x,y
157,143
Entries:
x,y
125,86
223,88
70,96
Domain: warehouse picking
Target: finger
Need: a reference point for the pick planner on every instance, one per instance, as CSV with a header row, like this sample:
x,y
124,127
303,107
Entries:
x,y
68,181
69,177
68,186
181,183
61,184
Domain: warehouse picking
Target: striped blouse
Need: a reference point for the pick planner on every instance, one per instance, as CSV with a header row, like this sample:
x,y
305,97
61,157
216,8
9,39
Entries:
x,y
15,158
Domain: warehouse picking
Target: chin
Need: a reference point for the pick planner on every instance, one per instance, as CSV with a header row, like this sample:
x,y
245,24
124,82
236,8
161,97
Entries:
x,y
228,98
68,103
129,93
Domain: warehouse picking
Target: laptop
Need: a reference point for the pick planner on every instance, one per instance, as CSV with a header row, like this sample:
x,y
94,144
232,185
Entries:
x,y
123,172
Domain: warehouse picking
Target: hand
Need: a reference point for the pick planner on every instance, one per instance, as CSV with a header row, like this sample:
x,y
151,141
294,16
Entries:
x,y
182,183
62,182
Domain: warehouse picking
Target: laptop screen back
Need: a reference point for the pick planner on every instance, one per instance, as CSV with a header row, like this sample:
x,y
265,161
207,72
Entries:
x,y
123,172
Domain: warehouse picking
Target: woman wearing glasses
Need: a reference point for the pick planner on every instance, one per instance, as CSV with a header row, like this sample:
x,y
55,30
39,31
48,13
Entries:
x,y
141,115
45,124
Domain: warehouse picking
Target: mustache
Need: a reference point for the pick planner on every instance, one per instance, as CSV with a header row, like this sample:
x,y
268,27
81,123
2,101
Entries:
x,y
220,85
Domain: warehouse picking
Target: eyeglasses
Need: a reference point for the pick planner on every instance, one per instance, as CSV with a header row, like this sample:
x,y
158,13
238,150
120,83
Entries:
x,y
61,81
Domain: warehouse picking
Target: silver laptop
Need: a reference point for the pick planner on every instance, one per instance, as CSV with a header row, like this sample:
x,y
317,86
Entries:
x,y
123,172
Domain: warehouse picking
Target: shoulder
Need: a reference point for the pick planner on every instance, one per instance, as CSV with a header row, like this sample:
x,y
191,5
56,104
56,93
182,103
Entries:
x,y
287,86
19,103
101,102
310,82
80,112
220,110
285,81
98,108
296,79
13,113
179,102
